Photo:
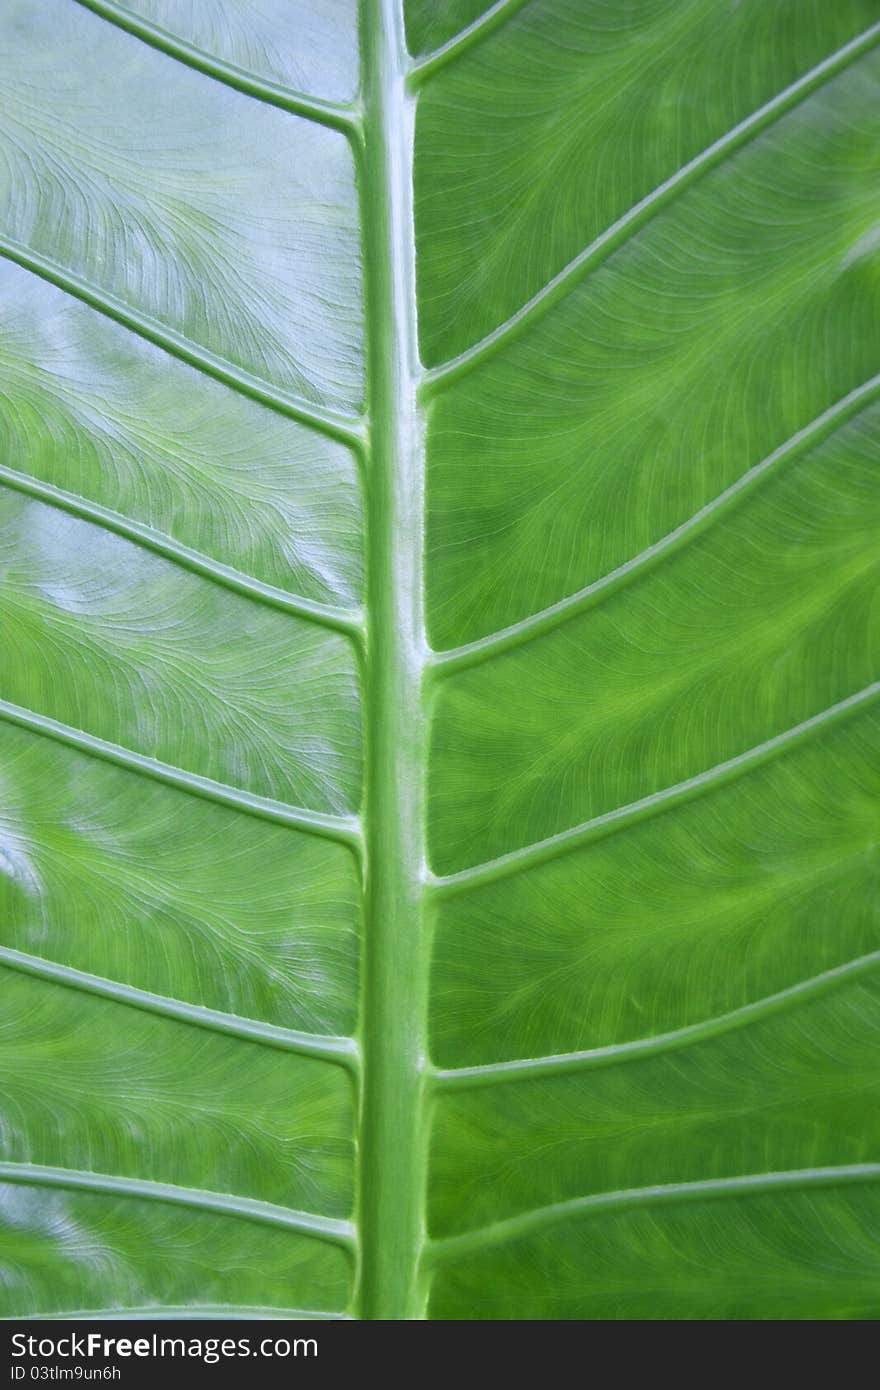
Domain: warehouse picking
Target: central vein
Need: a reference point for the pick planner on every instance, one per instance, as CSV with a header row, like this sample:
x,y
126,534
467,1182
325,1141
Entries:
x,y
392,1140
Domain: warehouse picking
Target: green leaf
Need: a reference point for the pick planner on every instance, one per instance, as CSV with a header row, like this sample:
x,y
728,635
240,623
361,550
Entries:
x,y
438,722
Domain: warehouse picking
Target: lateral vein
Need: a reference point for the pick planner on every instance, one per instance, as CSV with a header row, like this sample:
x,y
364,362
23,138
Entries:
x,y
635,218
325,1047
547,619
531,1068
347,621
337,115
349,429
345,829
224,1203
611,821
448,52
534,1222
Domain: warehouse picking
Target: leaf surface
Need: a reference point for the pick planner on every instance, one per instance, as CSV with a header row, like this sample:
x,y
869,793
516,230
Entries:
x,y
438,784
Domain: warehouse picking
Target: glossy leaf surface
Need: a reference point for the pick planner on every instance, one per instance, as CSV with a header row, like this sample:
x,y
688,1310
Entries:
x,y
438,723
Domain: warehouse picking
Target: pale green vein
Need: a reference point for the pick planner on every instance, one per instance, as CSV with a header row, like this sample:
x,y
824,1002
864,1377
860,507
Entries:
x,y
536,1068
338,115
642,212
222,1312
395,967
323,1046
448,52
345,829
533,1223
536,624
543,851
223,1203
348,621
349,429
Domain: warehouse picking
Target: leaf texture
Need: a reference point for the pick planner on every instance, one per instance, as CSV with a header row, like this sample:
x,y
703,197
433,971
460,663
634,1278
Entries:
x,y
438,718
